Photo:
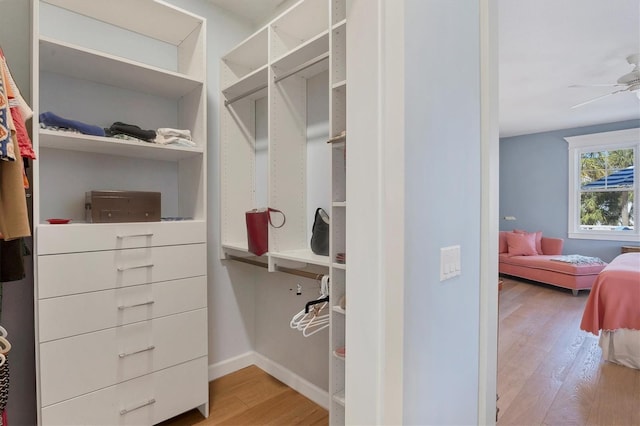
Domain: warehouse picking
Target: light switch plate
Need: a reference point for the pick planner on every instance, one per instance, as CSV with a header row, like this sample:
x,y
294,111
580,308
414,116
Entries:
x,y
450,262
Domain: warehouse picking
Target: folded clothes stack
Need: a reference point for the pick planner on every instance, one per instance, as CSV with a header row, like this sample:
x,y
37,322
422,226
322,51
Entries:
x,y
120,128
49,119
166,135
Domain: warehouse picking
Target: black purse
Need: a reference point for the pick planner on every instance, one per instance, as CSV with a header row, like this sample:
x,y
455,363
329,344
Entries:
x,y
320,233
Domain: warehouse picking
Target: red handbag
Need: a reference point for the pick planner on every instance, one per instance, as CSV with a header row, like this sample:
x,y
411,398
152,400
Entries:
x,y
258,221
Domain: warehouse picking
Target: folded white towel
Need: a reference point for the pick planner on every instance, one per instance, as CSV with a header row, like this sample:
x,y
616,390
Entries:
x,y
174,140
180,133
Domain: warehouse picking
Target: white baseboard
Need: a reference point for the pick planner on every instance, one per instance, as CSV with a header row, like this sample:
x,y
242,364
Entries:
x,y
281,373
292,380
230,365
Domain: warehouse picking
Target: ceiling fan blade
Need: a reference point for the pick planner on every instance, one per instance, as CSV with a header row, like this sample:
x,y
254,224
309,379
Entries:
x,y
598,98
597,85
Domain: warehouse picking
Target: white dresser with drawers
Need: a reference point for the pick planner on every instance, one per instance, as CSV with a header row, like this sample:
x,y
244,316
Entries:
x,y
122,322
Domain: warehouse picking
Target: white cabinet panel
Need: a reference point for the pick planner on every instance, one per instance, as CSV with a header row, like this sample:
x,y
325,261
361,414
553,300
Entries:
x,y
162,395
62,274
76,365
77,237
82,313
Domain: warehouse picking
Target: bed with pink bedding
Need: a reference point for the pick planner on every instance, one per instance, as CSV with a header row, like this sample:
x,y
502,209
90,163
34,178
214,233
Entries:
x,y
613,310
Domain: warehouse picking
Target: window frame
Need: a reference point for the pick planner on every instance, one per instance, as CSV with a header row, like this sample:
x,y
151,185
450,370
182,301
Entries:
x,y
606,141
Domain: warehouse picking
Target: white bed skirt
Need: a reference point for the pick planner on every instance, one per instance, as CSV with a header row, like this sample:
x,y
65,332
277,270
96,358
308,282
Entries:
x,y
621,346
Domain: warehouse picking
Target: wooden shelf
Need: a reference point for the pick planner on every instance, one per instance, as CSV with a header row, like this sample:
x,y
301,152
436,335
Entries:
x,y
339,398
629,249
88,64
339,310
113,146
342,266
339,204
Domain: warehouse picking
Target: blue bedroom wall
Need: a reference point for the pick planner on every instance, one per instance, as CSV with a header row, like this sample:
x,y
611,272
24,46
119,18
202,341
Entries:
x,y
442,208
534,186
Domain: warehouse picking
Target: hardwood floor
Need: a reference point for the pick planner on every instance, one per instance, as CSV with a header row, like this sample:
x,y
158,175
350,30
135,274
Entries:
x,y
252,397
552,373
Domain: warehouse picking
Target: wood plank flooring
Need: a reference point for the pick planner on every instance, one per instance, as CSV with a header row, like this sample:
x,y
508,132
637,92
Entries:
x,y
552,373
252,397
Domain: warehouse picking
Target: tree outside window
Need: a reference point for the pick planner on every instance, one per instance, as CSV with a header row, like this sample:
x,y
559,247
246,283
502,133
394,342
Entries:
x,y
606,199
604,185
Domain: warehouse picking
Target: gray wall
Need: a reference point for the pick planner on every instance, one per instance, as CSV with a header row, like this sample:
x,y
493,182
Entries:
x,y
17,302
442,175
534,186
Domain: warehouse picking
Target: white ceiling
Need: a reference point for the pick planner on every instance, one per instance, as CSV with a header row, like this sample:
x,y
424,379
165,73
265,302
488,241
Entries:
x,y
545,47
548,45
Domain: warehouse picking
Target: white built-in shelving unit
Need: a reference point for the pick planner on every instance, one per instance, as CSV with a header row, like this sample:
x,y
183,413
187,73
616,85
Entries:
x,y
111,302
276,63
338,271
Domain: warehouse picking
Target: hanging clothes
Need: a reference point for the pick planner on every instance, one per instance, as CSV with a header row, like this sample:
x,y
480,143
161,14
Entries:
x,y
11,261
20,112
6,122
14,219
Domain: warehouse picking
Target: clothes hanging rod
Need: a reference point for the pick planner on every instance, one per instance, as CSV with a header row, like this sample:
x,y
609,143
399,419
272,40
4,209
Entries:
x,y
296,70
304,274
304,66
245,94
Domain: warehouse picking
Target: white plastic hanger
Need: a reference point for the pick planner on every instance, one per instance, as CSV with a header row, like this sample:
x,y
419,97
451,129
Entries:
x,y
5,346
319,320
313,319
318,323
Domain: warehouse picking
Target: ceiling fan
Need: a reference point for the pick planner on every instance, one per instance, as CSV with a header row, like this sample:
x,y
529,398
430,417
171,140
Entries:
x,y
630,82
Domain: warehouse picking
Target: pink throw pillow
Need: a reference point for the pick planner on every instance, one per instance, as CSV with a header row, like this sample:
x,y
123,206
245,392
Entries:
x,y
521,244
538,237
502,242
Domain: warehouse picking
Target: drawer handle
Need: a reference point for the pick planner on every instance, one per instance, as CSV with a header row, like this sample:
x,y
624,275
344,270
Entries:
x,y
123,307
148,265
123,236
137,407
125,354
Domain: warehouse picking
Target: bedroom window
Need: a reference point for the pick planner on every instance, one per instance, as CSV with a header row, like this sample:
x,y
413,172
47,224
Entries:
x,y
603,185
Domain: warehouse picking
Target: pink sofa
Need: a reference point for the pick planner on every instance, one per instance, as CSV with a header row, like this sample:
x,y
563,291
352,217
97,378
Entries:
x,y
540,267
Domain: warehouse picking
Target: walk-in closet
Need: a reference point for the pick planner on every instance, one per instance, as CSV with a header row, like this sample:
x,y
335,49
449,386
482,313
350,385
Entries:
x,y
123,332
